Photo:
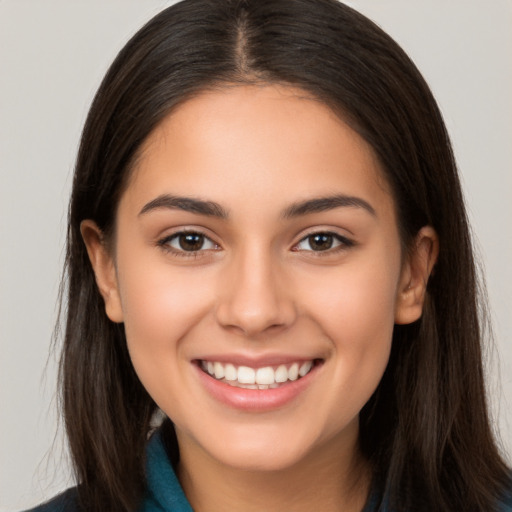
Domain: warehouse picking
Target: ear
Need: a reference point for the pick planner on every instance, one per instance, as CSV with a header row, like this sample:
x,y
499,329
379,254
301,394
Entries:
x,y
104,268
414,277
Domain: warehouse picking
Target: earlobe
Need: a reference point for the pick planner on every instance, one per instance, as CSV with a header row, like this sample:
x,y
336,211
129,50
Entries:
x,y
104,269
415,275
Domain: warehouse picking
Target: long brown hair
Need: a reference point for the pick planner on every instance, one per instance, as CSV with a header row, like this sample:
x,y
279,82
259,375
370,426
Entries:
x,y
425,430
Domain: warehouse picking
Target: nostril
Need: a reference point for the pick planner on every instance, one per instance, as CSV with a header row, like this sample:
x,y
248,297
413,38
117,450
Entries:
x,y
252,322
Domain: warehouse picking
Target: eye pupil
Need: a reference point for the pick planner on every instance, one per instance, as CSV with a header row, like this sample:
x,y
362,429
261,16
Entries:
x,y
191,241
320,241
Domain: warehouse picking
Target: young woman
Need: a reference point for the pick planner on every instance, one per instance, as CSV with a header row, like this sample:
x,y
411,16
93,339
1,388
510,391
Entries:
x,y
267,243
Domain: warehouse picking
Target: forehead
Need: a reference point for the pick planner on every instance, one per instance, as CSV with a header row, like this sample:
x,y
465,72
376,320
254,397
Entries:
x,y
266,142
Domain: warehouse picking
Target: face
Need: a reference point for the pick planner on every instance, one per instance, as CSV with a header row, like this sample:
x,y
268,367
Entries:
x,y
258,270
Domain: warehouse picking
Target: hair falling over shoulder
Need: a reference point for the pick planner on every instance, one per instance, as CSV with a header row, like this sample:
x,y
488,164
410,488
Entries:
x,y
426,430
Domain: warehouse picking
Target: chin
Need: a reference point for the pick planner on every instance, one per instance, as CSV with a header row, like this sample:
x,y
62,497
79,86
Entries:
x,y
267,458
268,447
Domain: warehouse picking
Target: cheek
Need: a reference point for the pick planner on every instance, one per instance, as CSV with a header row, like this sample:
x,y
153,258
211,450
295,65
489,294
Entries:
x,y
354,306
356,316
354,300
160,305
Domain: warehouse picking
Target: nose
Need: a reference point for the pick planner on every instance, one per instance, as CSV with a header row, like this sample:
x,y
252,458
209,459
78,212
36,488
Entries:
x,y
254,297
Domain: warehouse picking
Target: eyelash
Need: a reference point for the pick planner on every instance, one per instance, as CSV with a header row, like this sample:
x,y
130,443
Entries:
x,y
343,244
165,244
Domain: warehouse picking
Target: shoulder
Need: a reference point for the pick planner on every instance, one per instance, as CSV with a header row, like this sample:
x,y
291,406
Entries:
x,y
65,502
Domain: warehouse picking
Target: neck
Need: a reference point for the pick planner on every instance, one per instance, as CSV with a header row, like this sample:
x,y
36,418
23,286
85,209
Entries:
x,y
334,478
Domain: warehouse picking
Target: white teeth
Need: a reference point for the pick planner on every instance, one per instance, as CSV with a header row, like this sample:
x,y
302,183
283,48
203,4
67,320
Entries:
x,y
304,368
230,372
246,375
260,378
281,374
218,369
293,372
265,375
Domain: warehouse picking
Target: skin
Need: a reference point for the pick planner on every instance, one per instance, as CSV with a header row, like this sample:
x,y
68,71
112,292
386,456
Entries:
x,y
257,288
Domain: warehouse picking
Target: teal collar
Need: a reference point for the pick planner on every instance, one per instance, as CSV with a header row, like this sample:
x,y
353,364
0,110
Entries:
x,y
164,492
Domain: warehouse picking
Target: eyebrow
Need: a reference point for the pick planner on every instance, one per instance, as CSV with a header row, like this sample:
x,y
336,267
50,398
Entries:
x,y
323,204
188,204
213,209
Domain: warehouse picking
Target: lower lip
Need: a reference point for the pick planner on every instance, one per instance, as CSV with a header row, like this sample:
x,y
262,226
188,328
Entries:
x,y
257,400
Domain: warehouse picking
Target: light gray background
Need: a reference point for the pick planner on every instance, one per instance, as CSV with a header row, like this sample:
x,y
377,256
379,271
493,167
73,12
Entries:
x,y
53,54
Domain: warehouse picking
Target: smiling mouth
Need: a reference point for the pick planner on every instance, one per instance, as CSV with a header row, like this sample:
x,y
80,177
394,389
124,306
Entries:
x,y
267,377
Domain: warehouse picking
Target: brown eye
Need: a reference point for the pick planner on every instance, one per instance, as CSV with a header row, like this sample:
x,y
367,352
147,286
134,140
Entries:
x,y
321,241
188,241
191,241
